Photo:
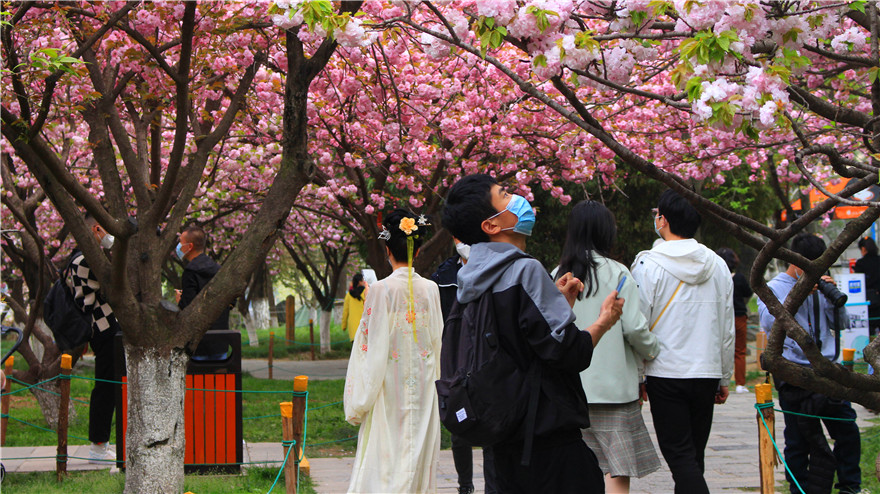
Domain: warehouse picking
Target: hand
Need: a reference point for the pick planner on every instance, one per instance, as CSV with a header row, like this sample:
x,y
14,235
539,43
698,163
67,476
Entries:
x,y
177,294
823,278
643,393
721,395
569,287
611,310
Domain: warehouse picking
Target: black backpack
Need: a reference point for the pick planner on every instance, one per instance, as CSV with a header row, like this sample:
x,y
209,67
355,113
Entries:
x,y
70,326
485,397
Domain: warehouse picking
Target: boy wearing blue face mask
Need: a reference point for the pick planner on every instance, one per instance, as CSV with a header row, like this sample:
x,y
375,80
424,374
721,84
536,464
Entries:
x,y
535,326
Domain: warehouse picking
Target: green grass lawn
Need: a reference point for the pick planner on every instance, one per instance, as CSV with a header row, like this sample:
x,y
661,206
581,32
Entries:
x,y
298,348
256,480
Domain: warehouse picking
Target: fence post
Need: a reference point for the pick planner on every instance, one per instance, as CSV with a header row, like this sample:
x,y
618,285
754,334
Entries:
x,y
290,317
312,337
271,349
300,386
760,345
4,402
63,407
848,357
766,452
287,436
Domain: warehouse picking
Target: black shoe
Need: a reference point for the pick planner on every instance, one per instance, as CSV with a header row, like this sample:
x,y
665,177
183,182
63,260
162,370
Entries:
x,y
465,490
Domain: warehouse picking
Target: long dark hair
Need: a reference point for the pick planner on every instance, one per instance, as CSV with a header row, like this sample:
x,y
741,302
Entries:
x,y
591,228
356,290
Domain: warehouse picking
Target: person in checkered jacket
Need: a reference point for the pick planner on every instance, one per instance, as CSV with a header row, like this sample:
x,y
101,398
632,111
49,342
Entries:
x,y
86,293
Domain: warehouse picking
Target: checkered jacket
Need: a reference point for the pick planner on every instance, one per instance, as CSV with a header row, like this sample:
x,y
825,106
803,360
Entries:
x,y
85,287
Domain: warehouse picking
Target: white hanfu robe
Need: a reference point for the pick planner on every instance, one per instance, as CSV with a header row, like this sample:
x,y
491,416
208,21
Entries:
x,y
389,388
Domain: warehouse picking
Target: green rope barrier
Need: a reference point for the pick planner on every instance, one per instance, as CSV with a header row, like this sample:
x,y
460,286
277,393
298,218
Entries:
x,y
325,406
84,378
29,387
334,441
84,402
39,427
815,416
761,406
292,447
261,417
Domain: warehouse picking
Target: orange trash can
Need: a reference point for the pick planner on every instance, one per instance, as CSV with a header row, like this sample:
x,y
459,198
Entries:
x,y
212,408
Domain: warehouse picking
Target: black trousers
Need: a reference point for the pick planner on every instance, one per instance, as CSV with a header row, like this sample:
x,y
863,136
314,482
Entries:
x,y
682,411
103,399
463,457
561,465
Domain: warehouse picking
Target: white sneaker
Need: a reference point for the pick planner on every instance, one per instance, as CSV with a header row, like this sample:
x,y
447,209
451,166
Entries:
x,y
741,389
101,454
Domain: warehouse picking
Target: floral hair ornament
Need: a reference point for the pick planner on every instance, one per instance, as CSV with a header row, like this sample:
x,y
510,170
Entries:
x,y
408,226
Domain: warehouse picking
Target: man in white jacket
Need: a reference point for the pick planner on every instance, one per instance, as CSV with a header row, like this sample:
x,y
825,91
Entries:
x,y
687,296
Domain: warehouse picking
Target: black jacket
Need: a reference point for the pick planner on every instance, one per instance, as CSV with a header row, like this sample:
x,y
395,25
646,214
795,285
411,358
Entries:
x,y
540,326
741,292
446,278
196,274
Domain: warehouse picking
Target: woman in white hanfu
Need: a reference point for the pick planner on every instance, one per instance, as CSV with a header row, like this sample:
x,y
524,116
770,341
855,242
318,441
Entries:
x,y
395,359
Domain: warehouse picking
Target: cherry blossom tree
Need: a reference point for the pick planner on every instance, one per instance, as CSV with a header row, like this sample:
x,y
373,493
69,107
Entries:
x,y
156,88
670,89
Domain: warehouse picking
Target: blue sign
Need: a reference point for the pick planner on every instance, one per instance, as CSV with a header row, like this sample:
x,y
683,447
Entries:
x,y
855,286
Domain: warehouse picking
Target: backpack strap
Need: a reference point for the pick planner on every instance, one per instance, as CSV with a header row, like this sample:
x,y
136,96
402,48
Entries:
x,y
534,380
666,306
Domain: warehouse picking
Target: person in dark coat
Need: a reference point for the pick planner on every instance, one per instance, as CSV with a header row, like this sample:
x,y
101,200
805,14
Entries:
x,y
446,278
198,271
742,292
869,264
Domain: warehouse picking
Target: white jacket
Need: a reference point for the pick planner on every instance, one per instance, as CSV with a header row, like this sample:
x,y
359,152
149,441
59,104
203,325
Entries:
x,y
696,330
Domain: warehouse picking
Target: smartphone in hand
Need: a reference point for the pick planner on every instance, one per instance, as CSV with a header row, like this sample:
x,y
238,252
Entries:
x,y
620,285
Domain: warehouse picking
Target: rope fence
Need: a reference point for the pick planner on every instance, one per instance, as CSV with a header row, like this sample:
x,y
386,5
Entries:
x,y
295,444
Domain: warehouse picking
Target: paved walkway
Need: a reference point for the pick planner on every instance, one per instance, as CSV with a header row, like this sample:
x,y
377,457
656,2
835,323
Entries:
x,y
731,457
317,370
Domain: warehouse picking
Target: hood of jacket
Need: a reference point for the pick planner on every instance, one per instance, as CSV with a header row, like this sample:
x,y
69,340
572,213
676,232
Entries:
x,y
686,260
486,264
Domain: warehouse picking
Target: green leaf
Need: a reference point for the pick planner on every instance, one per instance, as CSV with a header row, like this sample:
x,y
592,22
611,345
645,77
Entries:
x,y
541,60
694,88
638,18
858,5
873,74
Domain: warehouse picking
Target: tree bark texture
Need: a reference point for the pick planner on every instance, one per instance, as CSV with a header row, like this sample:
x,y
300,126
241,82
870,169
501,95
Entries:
x,y
325,330
155,438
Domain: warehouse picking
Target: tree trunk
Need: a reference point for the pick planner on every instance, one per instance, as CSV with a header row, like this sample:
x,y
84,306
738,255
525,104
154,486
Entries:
x,y
155,438
325,330
49,400
251,328
260,312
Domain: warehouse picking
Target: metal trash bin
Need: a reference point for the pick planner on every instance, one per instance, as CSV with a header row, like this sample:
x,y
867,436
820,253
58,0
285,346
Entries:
x,y
212,419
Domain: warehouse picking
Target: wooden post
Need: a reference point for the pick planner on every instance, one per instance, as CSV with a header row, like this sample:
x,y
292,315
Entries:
x,y
761,344
271,348
312,337
290,317
766,452
63,407
300,385
4,402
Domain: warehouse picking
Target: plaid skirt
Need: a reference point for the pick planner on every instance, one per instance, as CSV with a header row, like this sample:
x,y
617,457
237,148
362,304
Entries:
x,y
620,440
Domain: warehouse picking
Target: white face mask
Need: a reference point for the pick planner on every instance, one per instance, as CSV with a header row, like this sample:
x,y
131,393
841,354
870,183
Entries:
x,y
463,249
107,241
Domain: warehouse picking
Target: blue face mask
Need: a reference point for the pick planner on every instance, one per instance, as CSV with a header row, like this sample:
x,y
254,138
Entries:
x,y
525,215
179,251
